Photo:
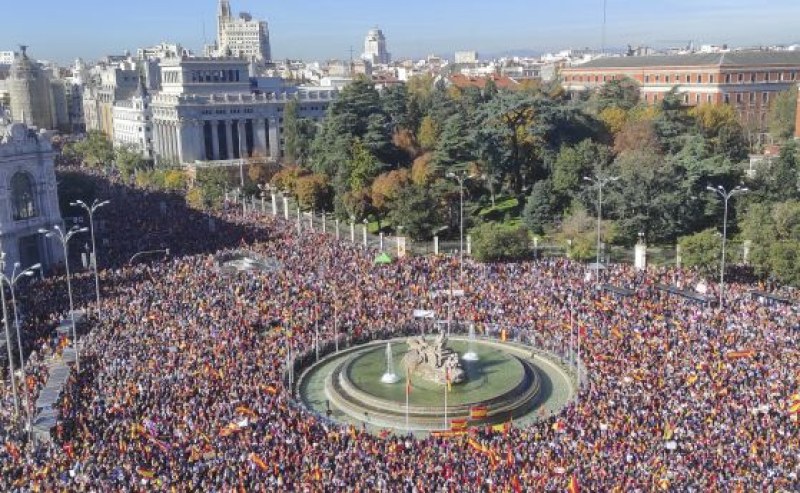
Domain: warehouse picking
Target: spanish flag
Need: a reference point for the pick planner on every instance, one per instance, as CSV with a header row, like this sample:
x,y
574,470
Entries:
x,y
669,431
503,335
748,353
145,472
259,462
478,412
246,411
573,487
616,332
458,425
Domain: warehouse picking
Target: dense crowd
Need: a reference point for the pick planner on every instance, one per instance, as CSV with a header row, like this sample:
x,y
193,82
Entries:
x,y
181,386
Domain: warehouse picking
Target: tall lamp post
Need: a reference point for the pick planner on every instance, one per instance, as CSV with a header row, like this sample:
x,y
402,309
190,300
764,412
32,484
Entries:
x,y
599,182
8,338
460,179
64,238
12,282
726,196
91,210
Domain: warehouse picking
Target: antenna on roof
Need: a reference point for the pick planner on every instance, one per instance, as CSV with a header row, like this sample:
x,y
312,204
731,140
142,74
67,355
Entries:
x,y
603,40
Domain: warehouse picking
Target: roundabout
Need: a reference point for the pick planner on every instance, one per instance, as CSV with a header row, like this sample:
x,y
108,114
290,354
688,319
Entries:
x,y
502,382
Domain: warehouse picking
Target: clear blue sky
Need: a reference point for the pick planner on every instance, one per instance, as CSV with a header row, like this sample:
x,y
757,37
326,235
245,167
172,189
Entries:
x,y
62,30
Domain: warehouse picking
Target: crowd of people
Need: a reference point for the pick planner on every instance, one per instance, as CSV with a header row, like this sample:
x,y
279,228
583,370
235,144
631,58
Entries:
x,y
181,385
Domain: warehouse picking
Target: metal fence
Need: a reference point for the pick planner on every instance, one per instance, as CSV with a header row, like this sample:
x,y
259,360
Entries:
x,y
358,233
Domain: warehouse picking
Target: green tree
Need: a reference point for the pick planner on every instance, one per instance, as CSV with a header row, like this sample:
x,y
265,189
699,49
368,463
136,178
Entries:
x,y
455,150
574,162
428,133
95,150
492,242
415,209
378,139
129,161
774,233
363,167
782,115
620,93
541,207
702,251
291,132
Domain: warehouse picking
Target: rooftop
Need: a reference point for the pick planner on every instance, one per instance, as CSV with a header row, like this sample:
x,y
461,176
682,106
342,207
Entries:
x,y
729,59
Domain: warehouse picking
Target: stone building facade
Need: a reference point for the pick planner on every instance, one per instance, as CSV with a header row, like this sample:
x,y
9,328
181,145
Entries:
x,y
31,93
208,112
132,123
28,196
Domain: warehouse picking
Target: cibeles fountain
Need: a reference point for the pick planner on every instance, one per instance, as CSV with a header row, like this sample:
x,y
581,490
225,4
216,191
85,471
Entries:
x,y
433,384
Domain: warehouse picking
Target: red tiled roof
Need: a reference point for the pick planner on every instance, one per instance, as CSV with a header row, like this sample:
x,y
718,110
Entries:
x,y
464,81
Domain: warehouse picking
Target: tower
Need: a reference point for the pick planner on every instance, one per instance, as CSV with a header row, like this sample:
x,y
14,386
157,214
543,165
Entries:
x,y
375,48
31,94
223,16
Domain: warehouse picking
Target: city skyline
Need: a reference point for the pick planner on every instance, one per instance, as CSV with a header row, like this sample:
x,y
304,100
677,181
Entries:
x,y
412,29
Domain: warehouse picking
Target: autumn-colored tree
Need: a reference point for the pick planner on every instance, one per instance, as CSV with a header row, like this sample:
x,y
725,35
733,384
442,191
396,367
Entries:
x,y
174,179
615,118
313,191
386,187
358,203
258,173
422,169
636,135
711,118
286,179
404,140
428,133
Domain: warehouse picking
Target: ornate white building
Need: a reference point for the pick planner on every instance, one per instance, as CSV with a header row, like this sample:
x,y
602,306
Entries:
x,y
241,36
375,48
207,111
28,196
132,123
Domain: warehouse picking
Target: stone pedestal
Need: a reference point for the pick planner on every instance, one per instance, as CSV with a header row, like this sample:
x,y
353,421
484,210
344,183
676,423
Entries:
x,y
640,256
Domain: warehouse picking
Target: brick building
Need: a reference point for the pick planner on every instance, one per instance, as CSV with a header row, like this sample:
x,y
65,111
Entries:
x,y
748,80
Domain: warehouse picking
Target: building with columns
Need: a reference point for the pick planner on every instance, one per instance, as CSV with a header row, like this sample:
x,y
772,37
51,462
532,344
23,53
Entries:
x,y
28,196
207,112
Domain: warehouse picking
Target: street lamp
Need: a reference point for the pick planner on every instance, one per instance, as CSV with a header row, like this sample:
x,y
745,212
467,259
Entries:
x,y
12,282
460,178
365,232
8,338
726,196
64,238
91,210
599,182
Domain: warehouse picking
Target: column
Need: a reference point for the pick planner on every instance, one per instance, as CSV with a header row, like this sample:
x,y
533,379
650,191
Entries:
x,y
274,139
274,205
215,138
182,136
436,245
242,140
229,137
260,138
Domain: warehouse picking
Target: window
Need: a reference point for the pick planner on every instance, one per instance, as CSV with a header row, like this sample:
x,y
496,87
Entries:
x,y
666,79
699,79
727,78
22,197
740,78
765,97
688,79
646,79
752,78
738,98
727,99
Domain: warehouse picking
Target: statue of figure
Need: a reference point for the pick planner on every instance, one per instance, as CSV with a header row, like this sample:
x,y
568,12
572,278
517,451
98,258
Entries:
x,y
433,360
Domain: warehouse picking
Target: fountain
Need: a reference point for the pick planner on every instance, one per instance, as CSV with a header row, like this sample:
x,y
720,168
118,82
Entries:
x,y
390,376
471,355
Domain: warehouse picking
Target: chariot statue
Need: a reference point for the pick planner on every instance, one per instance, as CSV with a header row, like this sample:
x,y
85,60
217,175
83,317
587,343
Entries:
x,y
432,360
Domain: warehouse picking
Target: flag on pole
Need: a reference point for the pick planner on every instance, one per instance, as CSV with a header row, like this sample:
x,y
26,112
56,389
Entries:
x,y
478,412
448,380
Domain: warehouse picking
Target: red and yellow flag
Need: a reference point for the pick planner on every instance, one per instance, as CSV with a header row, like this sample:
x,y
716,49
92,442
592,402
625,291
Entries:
x,y
259,462
574,486
478,412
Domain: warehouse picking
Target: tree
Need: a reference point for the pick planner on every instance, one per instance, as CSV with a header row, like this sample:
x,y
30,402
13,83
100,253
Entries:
x,y
615,118
95,150
428,133
620,93
492,242
363,166
386,187
313,192
422,169
782,115
286,179
174,179
702,251
291,131
395,106
541,207
579,230
415,209
129,161
210,187
774,233
455,149
574,162
377,138
783,181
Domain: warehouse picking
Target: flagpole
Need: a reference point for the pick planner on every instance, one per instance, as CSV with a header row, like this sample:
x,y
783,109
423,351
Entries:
x,y
445,402
408,390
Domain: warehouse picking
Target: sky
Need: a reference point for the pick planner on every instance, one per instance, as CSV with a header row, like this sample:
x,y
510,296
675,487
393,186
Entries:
x,y
61,31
